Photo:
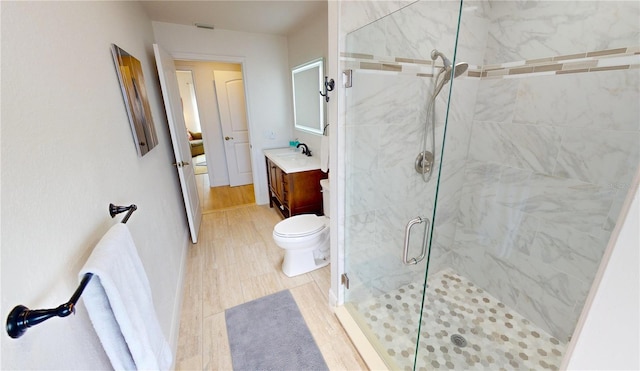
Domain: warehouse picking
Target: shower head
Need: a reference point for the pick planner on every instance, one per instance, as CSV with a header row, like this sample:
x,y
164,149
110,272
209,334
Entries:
x,y
458,70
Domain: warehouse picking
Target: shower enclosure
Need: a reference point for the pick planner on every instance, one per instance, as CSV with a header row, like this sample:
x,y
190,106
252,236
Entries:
x,y
536,143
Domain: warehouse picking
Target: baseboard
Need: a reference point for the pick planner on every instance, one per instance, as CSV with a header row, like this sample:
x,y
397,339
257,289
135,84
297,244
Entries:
x,y
217,182
333,299
177,304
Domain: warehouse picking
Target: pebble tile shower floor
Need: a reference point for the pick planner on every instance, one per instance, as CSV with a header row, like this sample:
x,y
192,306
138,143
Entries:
x,y
497,337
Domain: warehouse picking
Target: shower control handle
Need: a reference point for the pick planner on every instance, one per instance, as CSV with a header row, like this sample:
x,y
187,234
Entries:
x,y
407,238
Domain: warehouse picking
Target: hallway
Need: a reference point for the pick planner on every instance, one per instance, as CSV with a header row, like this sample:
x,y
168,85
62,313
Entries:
x,y
222,197
234,262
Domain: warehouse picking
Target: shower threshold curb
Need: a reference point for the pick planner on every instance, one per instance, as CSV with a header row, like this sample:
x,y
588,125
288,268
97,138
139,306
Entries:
x,y
359,340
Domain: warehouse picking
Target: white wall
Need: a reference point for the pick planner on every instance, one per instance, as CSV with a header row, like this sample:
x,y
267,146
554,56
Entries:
x,y
307,43
266,78
67,152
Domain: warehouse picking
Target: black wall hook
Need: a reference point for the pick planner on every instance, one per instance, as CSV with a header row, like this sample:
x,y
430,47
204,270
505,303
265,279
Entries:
x,y
328,86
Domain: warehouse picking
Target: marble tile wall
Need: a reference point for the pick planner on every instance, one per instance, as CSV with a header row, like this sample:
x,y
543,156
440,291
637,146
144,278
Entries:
x,y
384,130
550,158
542,141
552,153
523,30
358,14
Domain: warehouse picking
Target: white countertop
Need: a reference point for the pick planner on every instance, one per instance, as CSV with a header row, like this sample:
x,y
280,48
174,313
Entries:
x,y
291,161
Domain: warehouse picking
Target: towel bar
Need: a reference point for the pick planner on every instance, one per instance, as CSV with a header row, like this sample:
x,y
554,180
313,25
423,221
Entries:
x,y
21,318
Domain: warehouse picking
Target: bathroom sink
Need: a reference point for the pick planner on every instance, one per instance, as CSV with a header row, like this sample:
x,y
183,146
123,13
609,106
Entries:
x,y
296,157
290,156
291,161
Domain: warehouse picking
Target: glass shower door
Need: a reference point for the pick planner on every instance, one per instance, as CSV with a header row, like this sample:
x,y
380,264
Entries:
x,y
384,294
532,208
388,202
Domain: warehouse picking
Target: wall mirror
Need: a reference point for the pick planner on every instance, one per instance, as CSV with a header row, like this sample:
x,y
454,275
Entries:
x,y
308,107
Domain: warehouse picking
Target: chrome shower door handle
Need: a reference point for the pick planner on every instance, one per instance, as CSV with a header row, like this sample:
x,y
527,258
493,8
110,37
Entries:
x,y
425,239
407,235
407,238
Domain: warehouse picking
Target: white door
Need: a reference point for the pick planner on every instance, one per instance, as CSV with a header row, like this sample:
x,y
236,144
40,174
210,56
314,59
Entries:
x,y
178,130
233,118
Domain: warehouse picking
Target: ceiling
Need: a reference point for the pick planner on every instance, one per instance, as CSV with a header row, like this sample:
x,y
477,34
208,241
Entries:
x,y
263,16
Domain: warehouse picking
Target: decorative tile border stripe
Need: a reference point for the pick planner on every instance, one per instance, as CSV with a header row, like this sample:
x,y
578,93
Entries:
x,y
397,65
593,61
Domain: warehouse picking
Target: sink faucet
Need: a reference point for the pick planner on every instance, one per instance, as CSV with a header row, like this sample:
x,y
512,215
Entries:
x,y
305,149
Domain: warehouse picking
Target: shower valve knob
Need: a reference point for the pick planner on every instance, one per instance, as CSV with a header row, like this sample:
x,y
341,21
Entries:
x,y
424,162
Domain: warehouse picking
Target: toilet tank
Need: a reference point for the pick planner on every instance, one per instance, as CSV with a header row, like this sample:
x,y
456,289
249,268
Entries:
x,y
324,184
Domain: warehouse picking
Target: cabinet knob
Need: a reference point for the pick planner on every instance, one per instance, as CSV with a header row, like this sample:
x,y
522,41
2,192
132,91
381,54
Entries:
x,y
228,138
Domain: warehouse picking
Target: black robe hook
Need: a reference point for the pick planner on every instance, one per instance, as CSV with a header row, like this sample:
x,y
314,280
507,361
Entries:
x,y
328,86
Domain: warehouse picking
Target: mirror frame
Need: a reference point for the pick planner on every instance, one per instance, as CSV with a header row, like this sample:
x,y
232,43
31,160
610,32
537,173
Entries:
x,y
308,92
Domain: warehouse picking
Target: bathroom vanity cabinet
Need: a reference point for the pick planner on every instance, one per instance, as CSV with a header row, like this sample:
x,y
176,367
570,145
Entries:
x,y
294,189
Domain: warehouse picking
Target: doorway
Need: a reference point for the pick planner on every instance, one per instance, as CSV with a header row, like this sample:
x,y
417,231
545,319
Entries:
x,y
219,122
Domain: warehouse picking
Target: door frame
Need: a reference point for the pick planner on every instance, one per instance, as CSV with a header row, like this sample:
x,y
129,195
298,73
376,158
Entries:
x,y
198,57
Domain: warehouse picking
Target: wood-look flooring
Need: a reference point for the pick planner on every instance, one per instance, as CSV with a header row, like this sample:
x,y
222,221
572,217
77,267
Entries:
x,y
223,197
234,262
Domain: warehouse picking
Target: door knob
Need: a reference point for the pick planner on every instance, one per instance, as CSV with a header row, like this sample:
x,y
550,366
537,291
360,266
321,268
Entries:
x,y
228,138
181,164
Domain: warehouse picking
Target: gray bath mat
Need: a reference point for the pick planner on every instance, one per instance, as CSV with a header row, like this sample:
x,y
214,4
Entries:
x,y
270,334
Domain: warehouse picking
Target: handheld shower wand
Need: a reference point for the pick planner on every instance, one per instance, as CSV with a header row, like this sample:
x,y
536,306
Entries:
x,y
435,53
425,159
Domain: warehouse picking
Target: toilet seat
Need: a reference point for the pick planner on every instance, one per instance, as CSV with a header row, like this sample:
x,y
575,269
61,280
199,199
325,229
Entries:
x,y
300,226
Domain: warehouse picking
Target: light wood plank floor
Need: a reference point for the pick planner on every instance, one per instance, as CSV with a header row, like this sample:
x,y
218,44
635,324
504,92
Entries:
x,y
224,197
234,262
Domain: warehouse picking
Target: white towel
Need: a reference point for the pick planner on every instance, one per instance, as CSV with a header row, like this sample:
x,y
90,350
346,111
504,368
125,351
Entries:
x,y
119,303
324,153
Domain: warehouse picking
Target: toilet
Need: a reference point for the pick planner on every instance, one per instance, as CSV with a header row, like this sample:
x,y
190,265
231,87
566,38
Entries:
x,y
305,239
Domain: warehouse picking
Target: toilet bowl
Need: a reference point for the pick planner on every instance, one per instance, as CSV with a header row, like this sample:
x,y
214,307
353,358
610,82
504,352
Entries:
x,y
305,239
